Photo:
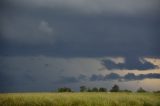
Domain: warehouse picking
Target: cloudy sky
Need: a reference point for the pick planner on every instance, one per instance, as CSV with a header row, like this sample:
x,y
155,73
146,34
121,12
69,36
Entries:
x,y
47,44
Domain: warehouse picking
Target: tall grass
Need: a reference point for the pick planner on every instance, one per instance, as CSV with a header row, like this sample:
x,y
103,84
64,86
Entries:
x,y
80,99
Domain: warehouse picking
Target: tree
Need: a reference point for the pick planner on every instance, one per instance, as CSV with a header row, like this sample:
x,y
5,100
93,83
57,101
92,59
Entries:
x,y
115,88
141,90
157,91
83,88
64,89
102,89
95,89
126,90
89,90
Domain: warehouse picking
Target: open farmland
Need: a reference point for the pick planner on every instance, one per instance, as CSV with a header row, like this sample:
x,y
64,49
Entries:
x,y
80,99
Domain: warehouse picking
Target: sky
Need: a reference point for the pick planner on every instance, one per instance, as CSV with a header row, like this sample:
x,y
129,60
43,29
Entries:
x,y
48,44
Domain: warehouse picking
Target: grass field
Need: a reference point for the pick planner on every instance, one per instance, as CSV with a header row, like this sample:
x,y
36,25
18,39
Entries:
x,y
80,99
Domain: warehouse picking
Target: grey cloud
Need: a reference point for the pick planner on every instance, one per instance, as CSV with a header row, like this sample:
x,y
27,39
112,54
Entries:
x,y
127,77
111,76
27,31
82,35
5,81
65,80
71,79
82,77
62,33
93,6
132,76
66,29
131,63
95,77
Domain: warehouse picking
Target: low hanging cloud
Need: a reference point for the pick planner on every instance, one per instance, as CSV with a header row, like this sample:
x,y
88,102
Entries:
x,y
111,76
108,77
71,79
127,77
132,76
66,80
131,63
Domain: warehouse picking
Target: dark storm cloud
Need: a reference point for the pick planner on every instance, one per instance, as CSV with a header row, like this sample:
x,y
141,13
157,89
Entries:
x,y
5,82
93,36
69,33
111,76
76,28
127,77
131,63
65,80
132,76
9,81
71,79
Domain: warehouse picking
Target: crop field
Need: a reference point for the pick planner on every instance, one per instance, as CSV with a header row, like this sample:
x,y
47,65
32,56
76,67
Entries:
x,y
80,99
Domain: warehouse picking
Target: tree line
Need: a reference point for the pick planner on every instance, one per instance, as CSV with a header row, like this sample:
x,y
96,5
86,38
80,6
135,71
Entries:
x,y
115,88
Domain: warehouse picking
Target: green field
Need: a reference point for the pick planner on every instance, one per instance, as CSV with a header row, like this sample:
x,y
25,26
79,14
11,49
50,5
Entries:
x,y
79,99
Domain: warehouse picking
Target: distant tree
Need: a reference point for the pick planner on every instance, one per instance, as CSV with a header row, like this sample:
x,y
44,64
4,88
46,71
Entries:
x,y
102,89
64,89
115,88
89,90
83,88
95,89
141,90
126,90
157,91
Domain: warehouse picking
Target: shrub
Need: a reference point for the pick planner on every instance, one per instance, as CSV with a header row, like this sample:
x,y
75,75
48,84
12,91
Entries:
x,y
115,88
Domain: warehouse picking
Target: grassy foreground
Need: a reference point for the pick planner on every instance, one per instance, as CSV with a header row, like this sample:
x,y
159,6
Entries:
x,y
80,99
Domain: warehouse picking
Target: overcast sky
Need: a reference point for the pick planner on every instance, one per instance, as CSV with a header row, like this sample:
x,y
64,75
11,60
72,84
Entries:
x,y
47,44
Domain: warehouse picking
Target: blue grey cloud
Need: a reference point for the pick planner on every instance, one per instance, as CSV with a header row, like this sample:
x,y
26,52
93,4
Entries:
x,y
74,34
71,79
132,76
111,76
131,63
75,29
127,77
65,80
91,6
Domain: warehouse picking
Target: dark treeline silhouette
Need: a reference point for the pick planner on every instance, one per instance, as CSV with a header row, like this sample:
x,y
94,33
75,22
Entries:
x,y
115,88
64,89
141,90
95,89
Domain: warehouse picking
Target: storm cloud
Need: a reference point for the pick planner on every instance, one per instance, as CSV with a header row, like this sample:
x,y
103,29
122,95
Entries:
x,y
127,77
40,28
51,43
131,63
92,6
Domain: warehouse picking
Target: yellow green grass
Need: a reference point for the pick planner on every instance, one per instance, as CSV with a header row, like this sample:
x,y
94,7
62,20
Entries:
x,y
79,99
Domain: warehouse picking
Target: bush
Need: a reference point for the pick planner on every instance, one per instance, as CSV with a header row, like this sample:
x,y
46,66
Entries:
x,y
83,88
141,90
102,89
115,88
95,89
64,89
126,90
